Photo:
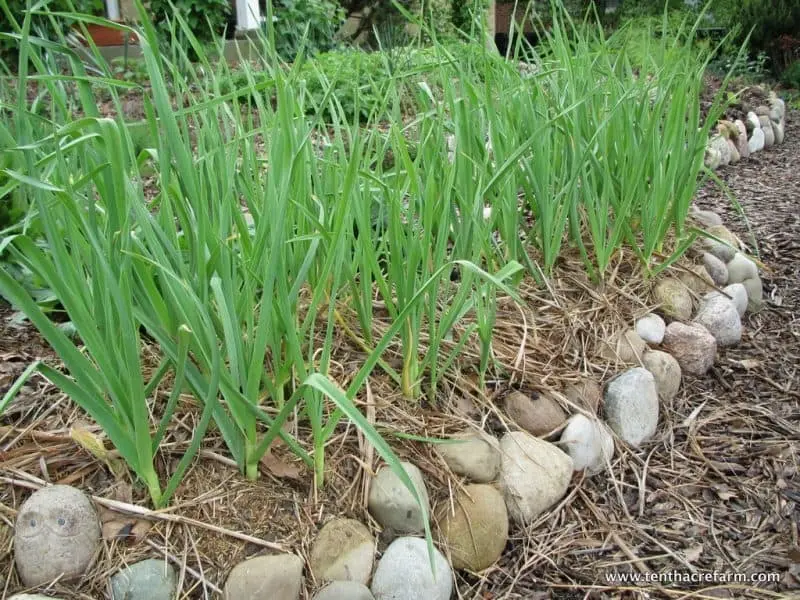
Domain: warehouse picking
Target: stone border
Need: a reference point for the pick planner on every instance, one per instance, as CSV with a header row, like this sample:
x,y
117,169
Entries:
x,y
736,140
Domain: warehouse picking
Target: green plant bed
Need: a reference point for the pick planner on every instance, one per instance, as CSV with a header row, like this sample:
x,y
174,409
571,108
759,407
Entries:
x,y
278,225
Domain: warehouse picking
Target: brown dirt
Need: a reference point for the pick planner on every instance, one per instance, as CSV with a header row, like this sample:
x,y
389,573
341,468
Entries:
x,y
716,489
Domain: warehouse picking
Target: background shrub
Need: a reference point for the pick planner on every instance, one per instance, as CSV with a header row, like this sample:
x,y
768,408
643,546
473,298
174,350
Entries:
x,y
316,21
41,26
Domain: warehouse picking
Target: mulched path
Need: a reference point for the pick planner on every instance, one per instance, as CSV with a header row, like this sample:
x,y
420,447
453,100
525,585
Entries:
x,y
717,489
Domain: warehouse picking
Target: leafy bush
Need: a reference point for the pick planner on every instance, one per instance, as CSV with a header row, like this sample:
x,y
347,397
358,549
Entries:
x,y
310,22
791,75
774,24
13,11
205,18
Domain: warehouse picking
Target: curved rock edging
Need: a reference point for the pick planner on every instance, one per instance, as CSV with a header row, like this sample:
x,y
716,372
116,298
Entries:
x,y
736,140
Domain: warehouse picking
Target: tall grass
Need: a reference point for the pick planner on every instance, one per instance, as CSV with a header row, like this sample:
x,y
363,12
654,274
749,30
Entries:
x,y
278,225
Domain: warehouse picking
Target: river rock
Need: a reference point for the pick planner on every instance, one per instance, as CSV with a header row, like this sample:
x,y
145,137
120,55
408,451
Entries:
x,y
755,293
534,475
757,141
751,122
766,127
692,346
57,535
705,218
712,159
779,130
718,314
674,298
474,456
740,268
720,144
277,577
392,504
631,405
149,579
344,550
738,295
734,152
716,269
344,590
626,347
696,279
588,442
666,372
538,416
777,110
587,394
724,249
404,572
741,140
651,328
475,528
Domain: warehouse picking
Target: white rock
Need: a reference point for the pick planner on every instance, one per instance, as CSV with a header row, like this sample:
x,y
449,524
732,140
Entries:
x,y
393,505
651,328
666,372
755,293
779,130
766,127
631,405
692,346
534,475
404,572
715,268
718,314
757,141
752,121
588,442
736,293
740,268
473,456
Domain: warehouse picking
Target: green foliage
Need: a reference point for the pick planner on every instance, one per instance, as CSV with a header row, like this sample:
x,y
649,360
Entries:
x,y
467,14
773,26
791,75
308,24
257,247
13,11
205,18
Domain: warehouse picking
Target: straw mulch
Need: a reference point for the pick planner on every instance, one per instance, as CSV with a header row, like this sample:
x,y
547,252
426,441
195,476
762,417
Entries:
x,y
717,489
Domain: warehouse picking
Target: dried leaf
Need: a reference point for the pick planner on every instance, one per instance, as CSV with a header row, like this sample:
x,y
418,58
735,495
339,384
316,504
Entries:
x,y
116,526
95,446
280,468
